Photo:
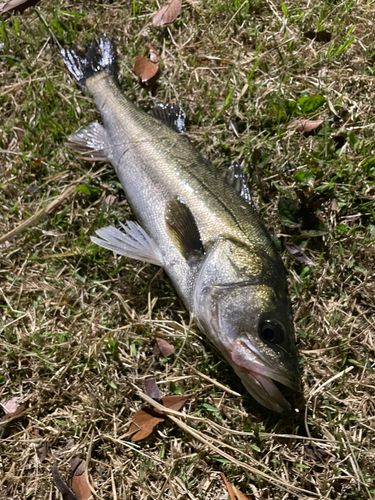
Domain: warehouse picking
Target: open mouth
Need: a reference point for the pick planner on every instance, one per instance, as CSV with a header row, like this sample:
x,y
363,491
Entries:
x,y
258,375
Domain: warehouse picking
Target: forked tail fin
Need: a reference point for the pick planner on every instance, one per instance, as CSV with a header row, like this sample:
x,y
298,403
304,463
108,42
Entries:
x,y
101,56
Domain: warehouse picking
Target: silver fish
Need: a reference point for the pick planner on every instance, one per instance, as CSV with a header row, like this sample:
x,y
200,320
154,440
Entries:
x,y
201,228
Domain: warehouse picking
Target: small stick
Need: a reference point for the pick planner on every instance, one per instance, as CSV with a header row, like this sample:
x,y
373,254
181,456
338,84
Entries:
x,y
45,210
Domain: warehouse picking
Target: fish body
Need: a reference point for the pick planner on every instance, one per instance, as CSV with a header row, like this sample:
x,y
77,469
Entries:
x,y
207,237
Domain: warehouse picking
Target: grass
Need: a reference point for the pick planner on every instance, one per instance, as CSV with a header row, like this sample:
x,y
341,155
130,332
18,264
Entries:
x,y
77,324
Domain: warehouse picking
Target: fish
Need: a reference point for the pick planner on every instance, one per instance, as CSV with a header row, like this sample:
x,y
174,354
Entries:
x,y
200,226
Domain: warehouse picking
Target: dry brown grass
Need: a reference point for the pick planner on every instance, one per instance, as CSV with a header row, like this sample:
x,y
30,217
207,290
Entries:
x,y
76,323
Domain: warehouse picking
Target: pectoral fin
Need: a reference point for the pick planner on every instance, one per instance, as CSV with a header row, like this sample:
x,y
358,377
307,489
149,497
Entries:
x,y
134,243
90,142
182,229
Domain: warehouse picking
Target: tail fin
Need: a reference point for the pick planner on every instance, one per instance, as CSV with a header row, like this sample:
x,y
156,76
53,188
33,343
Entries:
x,y
101,56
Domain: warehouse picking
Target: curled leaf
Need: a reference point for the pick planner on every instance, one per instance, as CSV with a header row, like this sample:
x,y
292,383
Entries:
x,y
145,68
305,126
298,254
167,14
153,55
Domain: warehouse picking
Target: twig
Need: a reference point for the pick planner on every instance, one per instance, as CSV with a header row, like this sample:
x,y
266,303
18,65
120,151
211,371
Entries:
x,y
43,211
203,439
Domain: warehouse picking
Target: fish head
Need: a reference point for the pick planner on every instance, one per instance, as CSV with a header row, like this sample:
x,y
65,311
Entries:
x,y
241,302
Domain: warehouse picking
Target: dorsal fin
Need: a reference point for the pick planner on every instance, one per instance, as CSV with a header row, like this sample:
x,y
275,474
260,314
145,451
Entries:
x,y
236,177
182,229
171,115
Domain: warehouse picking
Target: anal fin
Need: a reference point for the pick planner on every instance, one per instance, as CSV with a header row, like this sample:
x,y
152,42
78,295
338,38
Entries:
x,y
134,243
182,229
90,142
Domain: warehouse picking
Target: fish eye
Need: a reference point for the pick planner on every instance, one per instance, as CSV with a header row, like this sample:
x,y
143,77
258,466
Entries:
x,y
271,332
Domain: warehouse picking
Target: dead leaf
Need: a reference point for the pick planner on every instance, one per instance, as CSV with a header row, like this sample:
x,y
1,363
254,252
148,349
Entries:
x,y
175,402
163,347
316,453
43,451
234,493
20,131
229,487
168,13
18,5
63,488
13,412
319,36
298,254
305,126
108,200
79,484
37,162
146,419
13,406
152,53
145,68
151,389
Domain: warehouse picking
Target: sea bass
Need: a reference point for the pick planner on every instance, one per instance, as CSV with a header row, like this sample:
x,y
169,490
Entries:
x,y
200,227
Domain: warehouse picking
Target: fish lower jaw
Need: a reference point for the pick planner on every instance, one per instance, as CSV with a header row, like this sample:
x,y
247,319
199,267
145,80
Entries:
x,y
264,390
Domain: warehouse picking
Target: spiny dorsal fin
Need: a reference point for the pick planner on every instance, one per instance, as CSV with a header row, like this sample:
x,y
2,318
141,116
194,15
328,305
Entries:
x,y
134,243
171,115
182,229
236,177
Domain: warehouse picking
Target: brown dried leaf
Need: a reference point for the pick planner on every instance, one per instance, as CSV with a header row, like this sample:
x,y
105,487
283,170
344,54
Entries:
x,y
305,126
18,5
8,422
151,389
13,406
152,53
60,485
298,254
20,131
175,402
108,200
43,451
146,419
229,487
316,453
163,347
320,36
168,13
145,68
144,422
80,486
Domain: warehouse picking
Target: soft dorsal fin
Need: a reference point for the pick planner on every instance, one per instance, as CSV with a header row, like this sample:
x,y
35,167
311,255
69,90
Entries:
x,y
171,115
182,228
236,177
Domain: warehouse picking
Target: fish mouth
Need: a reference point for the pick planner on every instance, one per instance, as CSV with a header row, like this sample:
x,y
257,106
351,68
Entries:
x,y
259,376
